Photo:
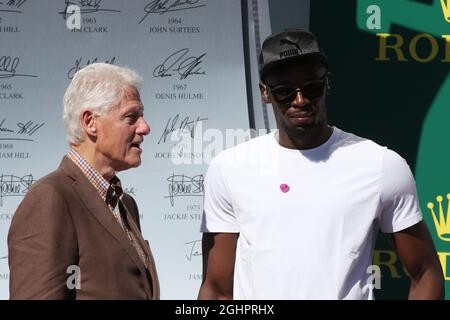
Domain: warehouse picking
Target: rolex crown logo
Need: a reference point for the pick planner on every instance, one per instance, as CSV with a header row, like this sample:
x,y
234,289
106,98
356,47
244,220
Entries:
x,y
441,222
445,4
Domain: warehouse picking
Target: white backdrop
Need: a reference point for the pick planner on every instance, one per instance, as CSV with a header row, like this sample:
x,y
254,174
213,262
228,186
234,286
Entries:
x,y
191,56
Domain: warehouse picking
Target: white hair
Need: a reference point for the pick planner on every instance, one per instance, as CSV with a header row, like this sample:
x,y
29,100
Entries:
x,y
99,87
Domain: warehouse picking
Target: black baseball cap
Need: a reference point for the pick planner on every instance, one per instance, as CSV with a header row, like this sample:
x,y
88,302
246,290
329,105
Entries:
x,y
287,46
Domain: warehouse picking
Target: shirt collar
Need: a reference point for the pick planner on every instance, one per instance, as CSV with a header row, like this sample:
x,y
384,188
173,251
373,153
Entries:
x,y
94,177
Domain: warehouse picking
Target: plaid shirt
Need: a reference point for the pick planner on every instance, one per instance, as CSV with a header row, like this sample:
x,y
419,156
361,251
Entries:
x,y
102,186
100,183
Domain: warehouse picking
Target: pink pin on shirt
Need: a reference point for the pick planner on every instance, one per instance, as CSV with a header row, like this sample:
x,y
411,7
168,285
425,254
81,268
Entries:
x,y
284,188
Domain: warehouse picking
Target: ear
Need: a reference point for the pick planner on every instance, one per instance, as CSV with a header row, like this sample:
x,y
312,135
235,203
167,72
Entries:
x,y
328,88
264,93
88,122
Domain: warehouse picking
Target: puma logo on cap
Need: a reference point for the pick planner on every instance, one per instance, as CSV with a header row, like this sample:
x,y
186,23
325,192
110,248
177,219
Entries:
x,y
290,52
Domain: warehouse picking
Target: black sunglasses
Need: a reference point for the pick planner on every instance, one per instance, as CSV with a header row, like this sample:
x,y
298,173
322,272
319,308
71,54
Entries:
x,y
310,90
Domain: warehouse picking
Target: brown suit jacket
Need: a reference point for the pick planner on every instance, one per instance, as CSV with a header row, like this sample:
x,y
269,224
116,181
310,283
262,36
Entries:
x,y
62,221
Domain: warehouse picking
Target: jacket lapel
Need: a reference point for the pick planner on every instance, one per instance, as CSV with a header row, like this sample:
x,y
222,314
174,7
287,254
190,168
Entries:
x,y
99,209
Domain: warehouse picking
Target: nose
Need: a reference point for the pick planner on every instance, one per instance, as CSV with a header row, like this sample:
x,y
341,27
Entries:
x,y
299,100
143,128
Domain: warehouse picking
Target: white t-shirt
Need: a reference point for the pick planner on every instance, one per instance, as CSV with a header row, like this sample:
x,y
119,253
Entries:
x,y
307,219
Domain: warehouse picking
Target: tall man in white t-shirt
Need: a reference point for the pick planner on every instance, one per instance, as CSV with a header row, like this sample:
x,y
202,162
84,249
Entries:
x,y
294,214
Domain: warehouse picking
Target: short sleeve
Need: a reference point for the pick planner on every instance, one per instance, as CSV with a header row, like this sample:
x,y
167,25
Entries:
x,y
399,202
218,213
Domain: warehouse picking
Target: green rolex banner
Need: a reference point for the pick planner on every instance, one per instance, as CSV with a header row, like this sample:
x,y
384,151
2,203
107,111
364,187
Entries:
x,y
390,63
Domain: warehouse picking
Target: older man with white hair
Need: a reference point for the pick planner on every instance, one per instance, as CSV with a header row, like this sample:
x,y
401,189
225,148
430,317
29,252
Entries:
x,y
76,234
